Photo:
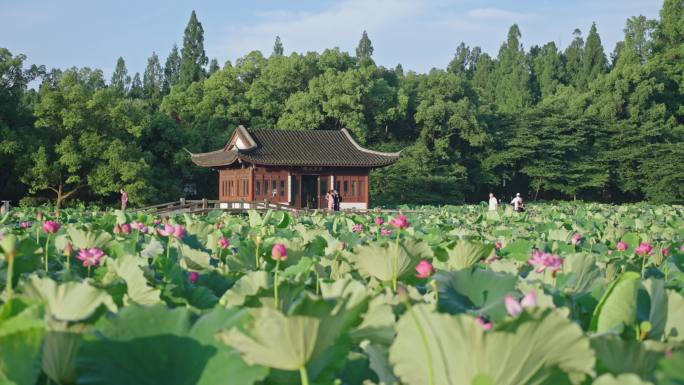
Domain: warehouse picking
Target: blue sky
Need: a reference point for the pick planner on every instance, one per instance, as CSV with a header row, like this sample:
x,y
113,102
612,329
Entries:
x,y
420,34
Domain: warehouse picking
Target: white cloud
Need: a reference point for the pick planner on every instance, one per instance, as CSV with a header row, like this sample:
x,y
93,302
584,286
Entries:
x,y
338,26
497,14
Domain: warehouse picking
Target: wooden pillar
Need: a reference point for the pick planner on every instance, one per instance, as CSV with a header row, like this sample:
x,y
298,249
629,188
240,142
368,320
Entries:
x,y
367,187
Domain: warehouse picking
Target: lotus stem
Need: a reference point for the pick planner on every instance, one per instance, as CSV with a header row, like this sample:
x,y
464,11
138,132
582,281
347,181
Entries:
x,y
426,345
643,266
275,284
395,262
10,271
168,247
304,375
47,240
256,254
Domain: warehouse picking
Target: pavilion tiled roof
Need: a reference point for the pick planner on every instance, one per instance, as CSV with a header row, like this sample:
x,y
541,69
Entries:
x,y
316,148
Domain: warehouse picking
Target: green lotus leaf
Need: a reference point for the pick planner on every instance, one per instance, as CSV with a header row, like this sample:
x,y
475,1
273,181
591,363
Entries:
x,y
276,340
70,301
674,326
157,345
474,289
622,379
379,261
82,239
21,337
454,349
615,355
466,253
130,269
195,259
618,306
60,349
520,250
248,285
670,371
378,355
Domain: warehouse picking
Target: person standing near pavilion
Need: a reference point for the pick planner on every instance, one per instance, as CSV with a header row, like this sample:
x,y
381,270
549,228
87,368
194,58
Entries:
x,y
337,199
124,200
493,203
330,198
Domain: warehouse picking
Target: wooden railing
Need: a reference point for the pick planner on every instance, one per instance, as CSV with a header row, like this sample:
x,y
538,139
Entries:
x,y
206,205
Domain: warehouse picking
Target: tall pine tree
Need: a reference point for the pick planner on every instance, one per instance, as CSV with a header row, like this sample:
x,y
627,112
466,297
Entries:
x,y
594,62
171,70
193,58
364,51
278,49
512,90
573,59
153,79
136,90
120,79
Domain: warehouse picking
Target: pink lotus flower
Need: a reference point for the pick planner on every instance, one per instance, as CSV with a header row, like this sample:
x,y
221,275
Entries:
x,y
542,261
621,246
157,222
424,269
486,325
644,248
193,276
576,238
514,308
126,228
665,251
681,248
177,231
25,225
379,221
498,245
68,249
140,227
279,252
400,221
90,257
357,228
51,227
385,232
223,243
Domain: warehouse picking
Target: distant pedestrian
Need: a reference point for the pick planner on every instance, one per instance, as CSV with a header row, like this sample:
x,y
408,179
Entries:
x,y
337,198
518,204
493,203
330,198
124,200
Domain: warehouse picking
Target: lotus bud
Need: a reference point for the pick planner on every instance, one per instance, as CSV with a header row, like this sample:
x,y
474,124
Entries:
x,y
279,252
9,244
342,245
193,276
68,249
126,228
402,293
223,243
39,216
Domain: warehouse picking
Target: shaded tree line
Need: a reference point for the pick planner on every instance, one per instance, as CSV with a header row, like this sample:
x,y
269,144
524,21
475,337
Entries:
x,y
547,122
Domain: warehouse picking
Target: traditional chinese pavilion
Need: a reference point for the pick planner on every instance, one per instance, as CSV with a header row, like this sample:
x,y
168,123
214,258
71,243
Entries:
x,y
293,167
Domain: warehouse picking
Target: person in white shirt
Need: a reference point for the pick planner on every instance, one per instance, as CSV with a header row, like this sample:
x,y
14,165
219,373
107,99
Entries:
x,y
517,203
493,203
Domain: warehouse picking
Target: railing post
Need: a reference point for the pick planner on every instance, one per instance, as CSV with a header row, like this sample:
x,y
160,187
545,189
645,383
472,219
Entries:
x,y
204,203
182,201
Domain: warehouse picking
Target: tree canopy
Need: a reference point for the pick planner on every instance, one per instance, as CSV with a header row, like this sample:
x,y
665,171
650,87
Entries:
x,y
547,121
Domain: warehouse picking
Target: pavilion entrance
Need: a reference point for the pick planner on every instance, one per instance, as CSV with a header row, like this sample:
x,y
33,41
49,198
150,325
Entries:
x,y
309,191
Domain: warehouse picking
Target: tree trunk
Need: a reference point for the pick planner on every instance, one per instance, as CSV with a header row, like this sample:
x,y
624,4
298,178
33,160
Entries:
x,y
60,197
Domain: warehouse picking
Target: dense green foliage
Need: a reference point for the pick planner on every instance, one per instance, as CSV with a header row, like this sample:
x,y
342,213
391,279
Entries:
x,y
284,298
547,122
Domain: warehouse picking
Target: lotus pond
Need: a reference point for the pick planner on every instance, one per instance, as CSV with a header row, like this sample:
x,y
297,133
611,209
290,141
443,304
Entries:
x,y
562,294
